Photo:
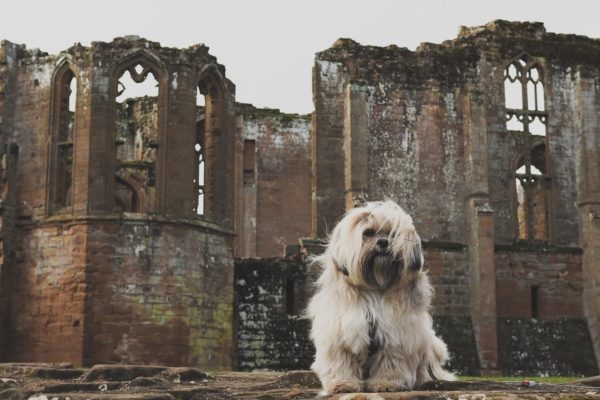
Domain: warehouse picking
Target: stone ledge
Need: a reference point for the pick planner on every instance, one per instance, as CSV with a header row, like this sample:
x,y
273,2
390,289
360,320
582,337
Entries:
x,y
126,218
147,382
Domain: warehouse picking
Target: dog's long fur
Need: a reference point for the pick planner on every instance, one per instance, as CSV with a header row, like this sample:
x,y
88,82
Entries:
x,y
370,315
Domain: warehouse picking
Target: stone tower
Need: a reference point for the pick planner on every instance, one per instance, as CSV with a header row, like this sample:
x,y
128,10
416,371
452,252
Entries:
x,y
115,247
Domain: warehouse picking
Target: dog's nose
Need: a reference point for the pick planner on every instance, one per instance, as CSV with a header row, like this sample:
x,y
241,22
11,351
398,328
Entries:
x,y
382,242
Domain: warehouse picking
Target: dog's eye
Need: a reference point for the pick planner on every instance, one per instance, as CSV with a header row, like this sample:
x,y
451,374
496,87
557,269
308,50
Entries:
x,y
368,232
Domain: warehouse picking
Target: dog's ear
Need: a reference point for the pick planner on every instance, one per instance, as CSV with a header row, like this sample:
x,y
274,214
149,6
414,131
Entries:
x,y
415,261
411,252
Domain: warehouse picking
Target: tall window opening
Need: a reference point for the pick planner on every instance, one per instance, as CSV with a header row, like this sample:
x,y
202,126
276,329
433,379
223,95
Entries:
x,y
199,152
526,119
66,109
524,97
213,151
136,139
532,187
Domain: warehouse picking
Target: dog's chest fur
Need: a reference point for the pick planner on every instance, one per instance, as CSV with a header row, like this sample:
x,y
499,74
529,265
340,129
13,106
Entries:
x,y
387,323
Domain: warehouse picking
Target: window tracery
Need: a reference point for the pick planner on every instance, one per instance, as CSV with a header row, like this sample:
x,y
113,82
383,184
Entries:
x,y
526,119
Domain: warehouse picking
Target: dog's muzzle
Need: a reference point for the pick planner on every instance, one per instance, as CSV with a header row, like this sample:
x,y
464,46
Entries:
x,y
382,269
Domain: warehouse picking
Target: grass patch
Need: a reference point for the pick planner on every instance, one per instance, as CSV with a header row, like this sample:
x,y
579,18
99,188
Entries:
x,y
541,379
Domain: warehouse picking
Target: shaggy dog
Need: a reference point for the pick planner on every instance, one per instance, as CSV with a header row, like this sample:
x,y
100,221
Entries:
x,y
370,321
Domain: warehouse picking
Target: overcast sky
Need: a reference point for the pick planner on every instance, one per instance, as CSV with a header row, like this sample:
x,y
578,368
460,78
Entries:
x,y
268,46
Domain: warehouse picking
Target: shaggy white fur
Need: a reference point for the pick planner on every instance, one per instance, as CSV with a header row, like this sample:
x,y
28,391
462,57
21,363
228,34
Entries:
x,y
370,315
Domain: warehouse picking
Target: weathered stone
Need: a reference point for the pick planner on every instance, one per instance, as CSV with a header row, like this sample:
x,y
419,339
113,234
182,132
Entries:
x,y
590,381
185,374
121,373
52,373
154,383
295,385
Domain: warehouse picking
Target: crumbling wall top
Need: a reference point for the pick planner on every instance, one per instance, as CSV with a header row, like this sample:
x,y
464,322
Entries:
x,y
130,44
505,28
251,112
453,61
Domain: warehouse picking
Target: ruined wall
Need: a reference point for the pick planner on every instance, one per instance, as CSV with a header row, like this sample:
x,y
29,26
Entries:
x,y
277,180
271,296
550,278
166,290
561,347
88,283
428,129
46,318
449,275
133,291
401,117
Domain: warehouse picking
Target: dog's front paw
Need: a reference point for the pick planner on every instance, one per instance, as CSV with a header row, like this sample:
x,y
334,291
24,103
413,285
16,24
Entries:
x,y
385,386
342,386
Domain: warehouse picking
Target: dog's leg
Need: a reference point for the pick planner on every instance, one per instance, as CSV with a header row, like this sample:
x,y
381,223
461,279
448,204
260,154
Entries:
x,y
339,372
391,373
431,364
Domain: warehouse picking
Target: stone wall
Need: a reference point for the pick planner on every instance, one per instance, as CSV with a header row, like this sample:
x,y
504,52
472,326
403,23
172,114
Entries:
x,y
46,317
271,296
131,290
83,280
167,294
448,272
549,277
561,347
428,128
277,180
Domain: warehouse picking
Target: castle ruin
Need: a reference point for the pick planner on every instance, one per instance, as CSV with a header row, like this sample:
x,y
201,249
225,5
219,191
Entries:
x,y
152,229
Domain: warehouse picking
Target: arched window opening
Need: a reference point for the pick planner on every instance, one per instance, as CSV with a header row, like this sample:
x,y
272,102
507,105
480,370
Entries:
x,y
214,152
532,186
199,153
524,97
66,102
209,104
136,137
526,118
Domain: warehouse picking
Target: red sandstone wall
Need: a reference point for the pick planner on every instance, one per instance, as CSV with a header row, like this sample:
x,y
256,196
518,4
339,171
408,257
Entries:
x,y
277,194
449,274
158,293
415,153
26,118
557,274
46,319
145,293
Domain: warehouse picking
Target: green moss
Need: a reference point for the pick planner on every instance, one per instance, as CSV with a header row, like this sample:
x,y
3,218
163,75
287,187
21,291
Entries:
x,y
540,379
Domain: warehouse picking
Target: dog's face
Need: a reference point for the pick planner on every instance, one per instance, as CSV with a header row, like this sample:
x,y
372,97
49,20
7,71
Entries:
x,y
376,245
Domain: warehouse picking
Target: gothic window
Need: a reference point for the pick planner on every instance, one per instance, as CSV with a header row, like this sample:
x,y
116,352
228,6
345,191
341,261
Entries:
x,y
199,153
209,104
532,186
64,125
526,119
136,138
524,97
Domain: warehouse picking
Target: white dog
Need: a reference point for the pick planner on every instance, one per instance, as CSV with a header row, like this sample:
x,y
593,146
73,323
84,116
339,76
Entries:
x,y
370,315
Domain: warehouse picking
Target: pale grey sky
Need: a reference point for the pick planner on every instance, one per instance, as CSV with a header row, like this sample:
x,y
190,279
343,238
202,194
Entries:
x,y
268,46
